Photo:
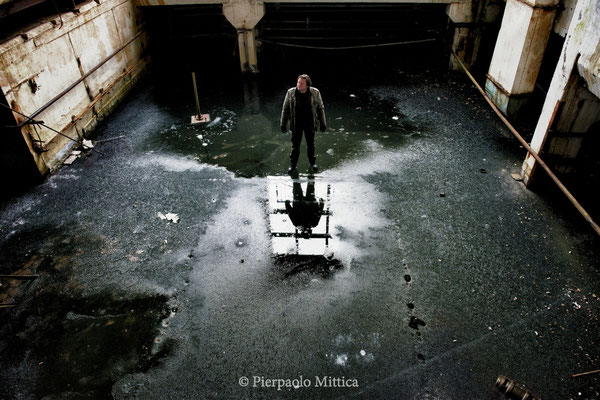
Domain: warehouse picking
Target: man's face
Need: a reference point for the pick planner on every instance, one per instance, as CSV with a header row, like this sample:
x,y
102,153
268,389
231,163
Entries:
x,y
301,85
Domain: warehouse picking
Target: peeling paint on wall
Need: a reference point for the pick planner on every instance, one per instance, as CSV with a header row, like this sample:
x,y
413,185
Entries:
x,y
56,56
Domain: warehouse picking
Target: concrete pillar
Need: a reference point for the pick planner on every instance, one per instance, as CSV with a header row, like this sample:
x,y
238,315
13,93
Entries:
x,y
567,107
519,51
577,113
461,14
244,15
470,18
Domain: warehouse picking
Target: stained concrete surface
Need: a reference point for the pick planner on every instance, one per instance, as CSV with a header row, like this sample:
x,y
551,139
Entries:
x,y
445,273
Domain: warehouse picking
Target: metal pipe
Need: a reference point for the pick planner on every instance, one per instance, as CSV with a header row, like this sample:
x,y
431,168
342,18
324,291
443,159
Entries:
x,y
533,153
52,129
61,94
349,47
596,371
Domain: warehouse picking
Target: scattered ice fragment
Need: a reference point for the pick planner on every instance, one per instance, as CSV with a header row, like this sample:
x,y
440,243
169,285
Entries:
x,y
395,118
363,353
330,152
200,137
204,144
341,359
174,218
214,122
352,95
87,144
169,217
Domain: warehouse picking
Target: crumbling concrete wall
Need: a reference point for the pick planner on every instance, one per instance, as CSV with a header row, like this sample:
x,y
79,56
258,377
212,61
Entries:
x,y
38,65
575,110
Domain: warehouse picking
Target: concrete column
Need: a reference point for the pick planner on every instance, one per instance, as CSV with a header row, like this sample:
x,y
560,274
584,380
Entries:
x,y
461,14
519,51
470,19
244,15
579,111
567,106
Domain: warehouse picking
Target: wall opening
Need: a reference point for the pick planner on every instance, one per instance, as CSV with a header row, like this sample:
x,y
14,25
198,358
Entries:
x,y
17,166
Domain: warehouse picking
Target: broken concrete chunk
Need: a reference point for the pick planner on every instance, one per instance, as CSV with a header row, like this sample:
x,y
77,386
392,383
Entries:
x,y
517,177
70,160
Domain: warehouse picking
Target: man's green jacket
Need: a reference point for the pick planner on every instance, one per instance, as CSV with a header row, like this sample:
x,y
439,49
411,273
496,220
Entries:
x,y
288,110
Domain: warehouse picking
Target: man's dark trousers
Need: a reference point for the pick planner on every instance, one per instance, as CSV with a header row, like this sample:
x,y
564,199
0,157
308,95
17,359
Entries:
x,y
309,133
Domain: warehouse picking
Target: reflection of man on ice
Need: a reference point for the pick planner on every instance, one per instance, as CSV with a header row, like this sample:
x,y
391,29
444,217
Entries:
x,y
305,211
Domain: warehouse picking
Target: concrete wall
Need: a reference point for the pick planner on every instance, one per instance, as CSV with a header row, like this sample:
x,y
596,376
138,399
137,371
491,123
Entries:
x,y
41,63
567,106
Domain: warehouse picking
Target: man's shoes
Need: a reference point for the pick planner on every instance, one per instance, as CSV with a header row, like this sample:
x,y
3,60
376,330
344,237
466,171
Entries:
x,y
314,167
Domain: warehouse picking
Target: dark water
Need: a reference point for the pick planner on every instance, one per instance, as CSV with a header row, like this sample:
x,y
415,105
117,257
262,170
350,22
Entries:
x,y
244,134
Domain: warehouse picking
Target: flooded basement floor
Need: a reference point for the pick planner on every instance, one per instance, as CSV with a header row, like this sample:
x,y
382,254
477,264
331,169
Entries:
x,y
419,269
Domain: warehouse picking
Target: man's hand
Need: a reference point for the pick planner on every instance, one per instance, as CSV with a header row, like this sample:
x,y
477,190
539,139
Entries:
x,y
323,128
284,128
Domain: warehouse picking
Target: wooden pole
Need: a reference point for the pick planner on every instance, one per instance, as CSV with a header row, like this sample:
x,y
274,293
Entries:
x,y
196,95
196,119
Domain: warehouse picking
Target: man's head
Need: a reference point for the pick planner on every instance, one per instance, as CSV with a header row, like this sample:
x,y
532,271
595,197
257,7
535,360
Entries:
x,y
303,83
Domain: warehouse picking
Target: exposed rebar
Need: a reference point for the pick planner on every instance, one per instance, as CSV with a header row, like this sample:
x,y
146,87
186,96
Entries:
x,y
31,121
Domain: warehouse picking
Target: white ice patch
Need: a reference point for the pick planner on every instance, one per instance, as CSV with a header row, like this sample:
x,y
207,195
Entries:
x,y
174,218
66,177
341,340
173,164
214,122
235,234
341,360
